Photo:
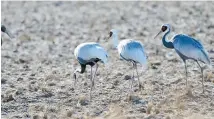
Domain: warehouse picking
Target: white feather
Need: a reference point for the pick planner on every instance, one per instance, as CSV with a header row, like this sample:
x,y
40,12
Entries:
x,y
90,50
132,50
129,49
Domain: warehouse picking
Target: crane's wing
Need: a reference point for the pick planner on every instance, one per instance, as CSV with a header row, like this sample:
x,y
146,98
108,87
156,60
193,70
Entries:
x,y
190,48
132,50
89,51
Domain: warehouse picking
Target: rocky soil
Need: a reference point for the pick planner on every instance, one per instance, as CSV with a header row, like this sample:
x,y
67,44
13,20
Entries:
x,y
37,65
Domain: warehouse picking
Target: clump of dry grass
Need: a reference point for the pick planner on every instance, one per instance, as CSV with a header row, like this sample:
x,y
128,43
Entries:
x,y
115,112
149,108
209,76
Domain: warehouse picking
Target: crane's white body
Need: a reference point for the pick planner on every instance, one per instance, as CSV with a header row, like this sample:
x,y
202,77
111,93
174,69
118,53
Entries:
x,y
89,51
89,54
130,49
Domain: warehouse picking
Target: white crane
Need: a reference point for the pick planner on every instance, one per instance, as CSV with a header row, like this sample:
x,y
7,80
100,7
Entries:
x,y
131,51
89,54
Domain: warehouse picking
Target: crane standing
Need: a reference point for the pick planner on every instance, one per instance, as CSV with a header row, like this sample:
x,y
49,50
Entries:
x,y
187,48
131,51
89,54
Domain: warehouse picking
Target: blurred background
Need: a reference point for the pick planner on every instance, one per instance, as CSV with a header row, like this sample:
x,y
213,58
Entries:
x,y
38,64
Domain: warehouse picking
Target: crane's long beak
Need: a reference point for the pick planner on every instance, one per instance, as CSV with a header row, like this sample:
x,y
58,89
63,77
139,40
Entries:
x,y
110,34
158,34
106,38
9,34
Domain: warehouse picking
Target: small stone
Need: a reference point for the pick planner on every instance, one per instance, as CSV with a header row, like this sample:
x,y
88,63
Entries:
x,y
18,92
72,89
154,66
35,117
22,61
33,82
8,99
51,84
26,66
69,113
83,102
85,84
32,74
112,87
3,81
157,62
116,82
176,81
136,100
20,79
119,74
142,110
127,77
47,95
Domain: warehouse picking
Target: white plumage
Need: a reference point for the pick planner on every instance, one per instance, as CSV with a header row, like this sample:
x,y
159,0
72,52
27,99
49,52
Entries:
x,y
89,54
130,50
89,51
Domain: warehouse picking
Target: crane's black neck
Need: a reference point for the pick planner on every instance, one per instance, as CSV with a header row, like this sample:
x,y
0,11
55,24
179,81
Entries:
x,y
83,67
167,43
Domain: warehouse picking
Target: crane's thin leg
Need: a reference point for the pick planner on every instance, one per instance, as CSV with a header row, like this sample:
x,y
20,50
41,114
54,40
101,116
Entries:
x,y
75,80
202,76
186,71
91,82
94,74
132,79
140,86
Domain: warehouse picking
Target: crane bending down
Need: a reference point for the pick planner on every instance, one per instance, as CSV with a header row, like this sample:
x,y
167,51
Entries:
x,y
187,48
89,54
131,51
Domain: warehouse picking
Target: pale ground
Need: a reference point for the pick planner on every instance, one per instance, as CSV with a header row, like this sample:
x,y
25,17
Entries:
x,y
37,66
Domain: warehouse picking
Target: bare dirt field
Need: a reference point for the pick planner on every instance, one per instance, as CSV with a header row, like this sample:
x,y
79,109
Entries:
x,y
37,65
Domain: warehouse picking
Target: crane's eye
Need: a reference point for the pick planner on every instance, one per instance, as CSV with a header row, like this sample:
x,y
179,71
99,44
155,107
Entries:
x,y
110,34
163,28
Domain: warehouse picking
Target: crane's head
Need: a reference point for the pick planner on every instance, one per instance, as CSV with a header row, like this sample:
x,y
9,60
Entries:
x,y
3,29
164,28
112,32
